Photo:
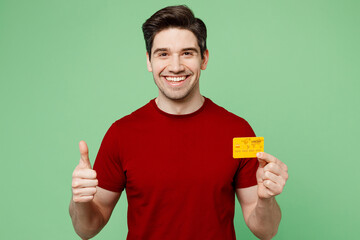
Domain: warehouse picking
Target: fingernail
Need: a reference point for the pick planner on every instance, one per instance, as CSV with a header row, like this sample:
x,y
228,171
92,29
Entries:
x,y
258,154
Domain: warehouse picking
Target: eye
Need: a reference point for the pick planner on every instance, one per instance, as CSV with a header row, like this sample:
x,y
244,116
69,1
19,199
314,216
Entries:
x,y
163,54
188,53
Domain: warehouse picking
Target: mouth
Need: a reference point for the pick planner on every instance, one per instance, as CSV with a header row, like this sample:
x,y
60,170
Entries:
x,y
176,80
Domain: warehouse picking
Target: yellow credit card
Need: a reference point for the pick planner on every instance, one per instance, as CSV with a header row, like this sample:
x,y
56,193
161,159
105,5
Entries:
x,y
247,147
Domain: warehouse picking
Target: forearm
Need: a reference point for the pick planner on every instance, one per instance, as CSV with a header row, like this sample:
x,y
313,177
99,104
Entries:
x,y
86,218
265,218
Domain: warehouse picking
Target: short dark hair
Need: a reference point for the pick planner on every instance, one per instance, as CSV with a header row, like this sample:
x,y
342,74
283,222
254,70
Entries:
x,y
178,17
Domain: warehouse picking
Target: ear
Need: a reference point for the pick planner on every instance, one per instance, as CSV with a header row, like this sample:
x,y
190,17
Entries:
x,y
204,60
148,62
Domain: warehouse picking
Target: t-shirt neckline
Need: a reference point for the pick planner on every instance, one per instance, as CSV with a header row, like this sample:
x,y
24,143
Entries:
x,y
178,116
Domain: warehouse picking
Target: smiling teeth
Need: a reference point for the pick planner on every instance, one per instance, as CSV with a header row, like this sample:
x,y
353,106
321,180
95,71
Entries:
x,y
175,79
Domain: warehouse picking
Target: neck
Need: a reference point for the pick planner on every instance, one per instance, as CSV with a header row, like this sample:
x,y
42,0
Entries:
x,y
180,107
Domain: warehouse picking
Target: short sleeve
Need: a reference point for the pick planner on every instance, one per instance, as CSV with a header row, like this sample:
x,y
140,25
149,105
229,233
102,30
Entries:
x,y
246,173
107,165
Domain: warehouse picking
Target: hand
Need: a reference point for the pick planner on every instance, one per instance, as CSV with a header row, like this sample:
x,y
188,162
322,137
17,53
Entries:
x,y
84,180
271,175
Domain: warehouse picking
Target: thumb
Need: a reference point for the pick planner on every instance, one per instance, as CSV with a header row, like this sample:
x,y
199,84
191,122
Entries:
x,y
262,162
84,155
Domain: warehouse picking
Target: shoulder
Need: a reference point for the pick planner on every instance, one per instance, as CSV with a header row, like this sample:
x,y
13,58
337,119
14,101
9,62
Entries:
x,y
141,114
224,116
123,128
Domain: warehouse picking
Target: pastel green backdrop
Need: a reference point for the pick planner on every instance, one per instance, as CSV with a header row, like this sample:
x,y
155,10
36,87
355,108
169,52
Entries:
x,y
68,69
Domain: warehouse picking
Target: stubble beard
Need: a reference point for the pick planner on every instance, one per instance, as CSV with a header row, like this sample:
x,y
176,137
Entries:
x,y
173,95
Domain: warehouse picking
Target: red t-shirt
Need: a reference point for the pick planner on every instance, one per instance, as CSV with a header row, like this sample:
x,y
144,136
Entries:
x,y
177,170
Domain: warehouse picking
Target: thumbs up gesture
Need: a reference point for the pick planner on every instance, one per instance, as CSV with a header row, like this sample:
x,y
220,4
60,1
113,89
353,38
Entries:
x,y
84,179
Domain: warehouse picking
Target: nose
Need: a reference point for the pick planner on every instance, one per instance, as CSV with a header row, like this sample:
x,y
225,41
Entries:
x,y
176,65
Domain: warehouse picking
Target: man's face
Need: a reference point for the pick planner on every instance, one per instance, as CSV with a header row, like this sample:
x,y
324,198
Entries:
x,y
176,63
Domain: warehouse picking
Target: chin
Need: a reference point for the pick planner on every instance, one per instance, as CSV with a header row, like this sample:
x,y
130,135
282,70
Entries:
x,y
176,96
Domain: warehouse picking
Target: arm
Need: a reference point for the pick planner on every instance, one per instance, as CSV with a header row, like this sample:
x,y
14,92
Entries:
x,y
89,218
262,216
260,210
91,206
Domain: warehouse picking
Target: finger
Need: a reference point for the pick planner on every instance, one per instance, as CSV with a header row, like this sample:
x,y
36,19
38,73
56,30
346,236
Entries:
x,y
82,199
81,183
84,173
274,178
270,193
84,155
283,166
268,158
273,187
274,168
84,191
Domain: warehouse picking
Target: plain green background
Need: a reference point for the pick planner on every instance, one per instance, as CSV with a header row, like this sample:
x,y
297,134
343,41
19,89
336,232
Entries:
x,y
68,69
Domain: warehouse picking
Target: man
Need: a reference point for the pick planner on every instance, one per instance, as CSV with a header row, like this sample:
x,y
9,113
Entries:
x,y
174,155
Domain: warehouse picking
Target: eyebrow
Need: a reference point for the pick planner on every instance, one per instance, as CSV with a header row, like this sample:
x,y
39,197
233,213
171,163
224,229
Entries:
x,y
160,50
167,49
190,49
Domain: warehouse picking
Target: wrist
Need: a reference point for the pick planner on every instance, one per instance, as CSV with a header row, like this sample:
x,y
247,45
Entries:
x,y
265,202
